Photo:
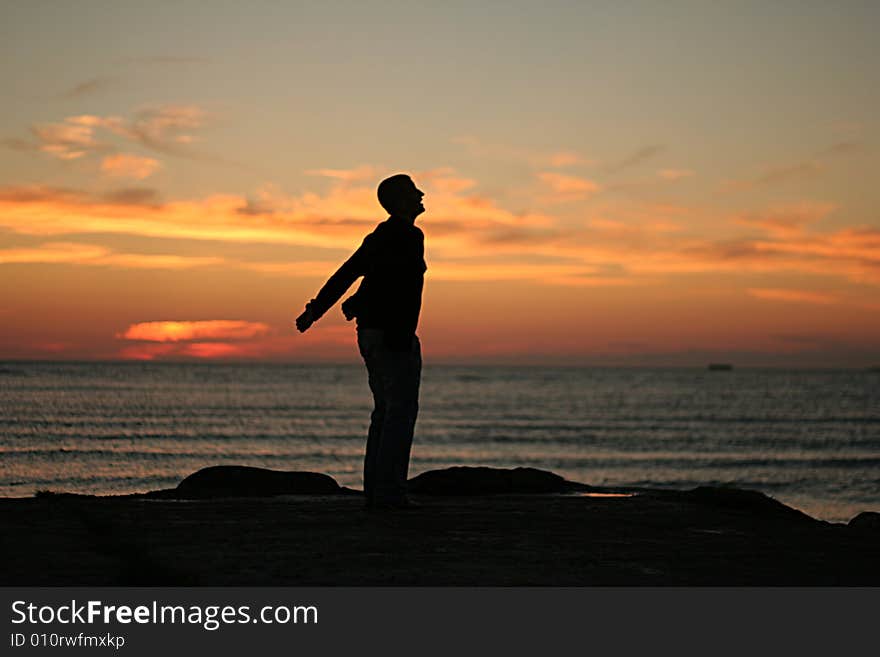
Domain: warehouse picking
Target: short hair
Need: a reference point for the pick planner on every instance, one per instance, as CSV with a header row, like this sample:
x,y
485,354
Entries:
x,y
389,190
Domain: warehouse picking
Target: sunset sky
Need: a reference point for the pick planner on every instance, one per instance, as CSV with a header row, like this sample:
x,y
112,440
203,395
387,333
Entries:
x,y
606,182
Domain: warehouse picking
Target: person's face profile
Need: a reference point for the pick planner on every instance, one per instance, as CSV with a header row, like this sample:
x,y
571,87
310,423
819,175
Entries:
x,y
411,200
414,199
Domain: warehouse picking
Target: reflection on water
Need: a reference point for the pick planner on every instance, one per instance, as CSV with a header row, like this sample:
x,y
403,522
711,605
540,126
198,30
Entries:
x,y
811,439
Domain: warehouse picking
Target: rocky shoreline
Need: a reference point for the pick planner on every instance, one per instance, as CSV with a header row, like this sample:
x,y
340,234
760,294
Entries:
x,y
233,525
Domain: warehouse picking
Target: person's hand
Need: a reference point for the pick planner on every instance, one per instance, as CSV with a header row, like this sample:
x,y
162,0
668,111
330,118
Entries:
x,y
304,321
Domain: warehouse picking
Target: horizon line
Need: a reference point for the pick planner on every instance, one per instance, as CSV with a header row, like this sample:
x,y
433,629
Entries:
x,y
443,362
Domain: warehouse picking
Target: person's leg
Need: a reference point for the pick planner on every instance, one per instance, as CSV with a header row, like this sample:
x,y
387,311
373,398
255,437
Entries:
x,y
401,374
367,343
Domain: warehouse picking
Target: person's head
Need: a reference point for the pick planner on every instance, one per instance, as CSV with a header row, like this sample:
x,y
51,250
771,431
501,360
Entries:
x,y
400,196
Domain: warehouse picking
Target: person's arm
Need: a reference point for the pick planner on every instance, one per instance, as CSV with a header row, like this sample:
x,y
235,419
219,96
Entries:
x,y
356,266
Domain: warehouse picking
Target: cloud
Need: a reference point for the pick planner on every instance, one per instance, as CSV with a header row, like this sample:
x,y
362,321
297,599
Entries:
x,y
564,159
859,245
75,253
852,254
183,331
675,174
168,129
69,140
41,194
800,170
89,87
64,199
309,220
364,172
797,296
482,149
157,261
18,144
787,220
778,175
567,188
129,166
842,148
636,242
444,180
255,207
133,196
637,157
54,252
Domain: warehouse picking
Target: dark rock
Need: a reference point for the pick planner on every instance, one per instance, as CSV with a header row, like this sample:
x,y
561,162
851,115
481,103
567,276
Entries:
x,y
752,502
243,481
869,520
462,480
161,494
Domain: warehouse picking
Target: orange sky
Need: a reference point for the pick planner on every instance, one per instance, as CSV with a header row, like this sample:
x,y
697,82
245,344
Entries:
x,y
168,197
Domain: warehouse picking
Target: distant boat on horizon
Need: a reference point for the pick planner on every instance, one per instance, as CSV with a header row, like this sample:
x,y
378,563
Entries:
x,y
720,367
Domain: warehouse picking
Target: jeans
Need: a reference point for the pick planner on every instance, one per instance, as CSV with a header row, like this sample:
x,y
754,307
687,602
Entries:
x,y
394,381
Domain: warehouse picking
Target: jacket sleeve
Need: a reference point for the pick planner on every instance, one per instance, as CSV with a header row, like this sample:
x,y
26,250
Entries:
x,y
353,268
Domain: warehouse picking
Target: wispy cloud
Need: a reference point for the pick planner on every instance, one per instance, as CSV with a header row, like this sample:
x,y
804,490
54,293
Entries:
x,y
168,129
125,165
565,159
842,148
54,252
145,197
796,296
69,140
568,188
636,157
778,174
787,220
445,180
537,158
606,245
675,174
809,167
19,144
361,173
75,253
89,87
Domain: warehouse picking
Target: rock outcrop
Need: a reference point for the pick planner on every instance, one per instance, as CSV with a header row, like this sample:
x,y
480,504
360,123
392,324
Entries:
x,y
752,502
867,521
491,481
244,481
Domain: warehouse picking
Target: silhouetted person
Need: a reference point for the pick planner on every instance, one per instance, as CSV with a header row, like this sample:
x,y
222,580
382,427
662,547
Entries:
x,y
386,305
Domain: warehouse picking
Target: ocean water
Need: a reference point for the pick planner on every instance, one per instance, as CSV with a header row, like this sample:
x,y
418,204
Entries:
x,y
811,439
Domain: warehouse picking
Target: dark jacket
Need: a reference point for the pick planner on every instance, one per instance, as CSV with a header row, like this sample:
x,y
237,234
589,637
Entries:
x,y
392,262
